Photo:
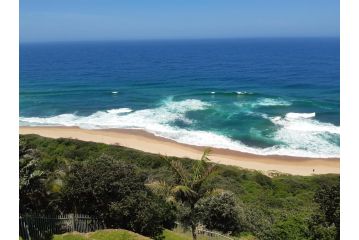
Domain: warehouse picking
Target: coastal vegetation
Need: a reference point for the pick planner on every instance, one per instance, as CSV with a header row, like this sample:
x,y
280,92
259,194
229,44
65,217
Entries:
x,y
188,188
148,193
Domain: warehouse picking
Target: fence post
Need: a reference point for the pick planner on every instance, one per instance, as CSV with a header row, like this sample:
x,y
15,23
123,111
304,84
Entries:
x,y
25,228
72,219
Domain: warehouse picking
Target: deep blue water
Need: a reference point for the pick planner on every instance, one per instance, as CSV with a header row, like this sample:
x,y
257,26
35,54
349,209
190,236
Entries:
x,y
265,96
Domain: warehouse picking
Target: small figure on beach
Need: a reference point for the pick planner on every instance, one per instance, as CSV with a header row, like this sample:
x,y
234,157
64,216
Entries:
x,y
313,170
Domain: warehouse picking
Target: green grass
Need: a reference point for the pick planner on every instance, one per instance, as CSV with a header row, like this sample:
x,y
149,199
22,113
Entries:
x,y
171,235
127,235
108,234
178,234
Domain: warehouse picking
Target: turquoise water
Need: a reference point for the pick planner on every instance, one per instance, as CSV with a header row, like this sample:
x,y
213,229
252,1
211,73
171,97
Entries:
x,y
263,96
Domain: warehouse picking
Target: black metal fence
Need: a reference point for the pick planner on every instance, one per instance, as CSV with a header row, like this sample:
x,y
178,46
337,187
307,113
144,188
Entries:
x,y
44,227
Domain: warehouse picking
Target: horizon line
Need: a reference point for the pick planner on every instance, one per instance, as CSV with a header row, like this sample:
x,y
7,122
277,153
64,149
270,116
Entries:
x,y
177,39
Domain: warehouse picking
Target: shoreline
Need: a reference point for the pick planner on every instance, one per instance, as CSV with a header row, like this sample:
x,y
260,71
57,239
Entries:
x,y
147,142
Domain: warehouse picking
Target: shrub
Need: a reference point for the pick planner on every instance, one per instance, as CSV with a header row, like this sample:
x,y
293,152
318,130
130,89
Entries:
x,y
326,221
263,180
290,228
219,212
33,192
115,192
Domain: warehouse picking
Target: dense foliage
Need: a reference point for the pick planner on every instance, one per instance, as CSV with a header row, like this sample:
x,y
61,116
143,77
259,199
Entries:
x,y
104,188
35,183
112,190
220,212
325,224
277,207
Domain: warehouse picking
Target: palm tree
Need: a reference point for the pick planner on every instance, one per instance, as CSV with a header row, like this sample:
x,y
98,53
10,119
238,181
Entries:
x,y
189,185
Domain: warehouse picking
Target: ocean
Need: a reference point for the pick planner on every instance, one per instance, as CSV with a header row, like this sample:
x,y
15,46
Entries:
x,y
261,96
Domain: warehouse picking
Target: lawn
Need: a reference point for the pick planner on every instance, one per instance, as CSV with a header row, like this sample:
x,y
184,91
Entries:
x,y
108,234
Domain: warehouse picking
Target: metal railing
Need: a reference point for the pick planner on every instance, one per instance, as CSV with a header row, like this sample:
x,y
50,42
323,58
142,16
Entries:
x,y
43,227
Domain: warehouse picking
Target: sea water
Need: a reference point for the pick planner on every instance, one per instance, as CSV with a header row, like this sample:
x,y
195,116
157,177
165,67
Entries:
x,y
262,96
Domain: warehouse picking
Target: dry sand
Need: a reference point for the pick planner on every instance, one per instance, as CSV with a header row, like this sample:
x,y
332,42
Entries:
x,y
147,142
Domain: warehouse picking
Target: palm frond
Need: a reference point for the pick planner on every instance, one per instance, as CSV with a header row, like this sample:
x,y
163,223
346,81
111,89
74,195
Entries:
x,y
180,171
189,188
206,153
183,193
160,188
205,174
201,165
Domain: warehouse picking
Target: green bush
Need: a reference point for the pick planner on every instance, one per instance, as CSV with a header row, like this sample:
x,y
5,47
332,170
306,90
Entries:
x,y
113,191
256,220
219,212
33,182
263,180
325,223
290,228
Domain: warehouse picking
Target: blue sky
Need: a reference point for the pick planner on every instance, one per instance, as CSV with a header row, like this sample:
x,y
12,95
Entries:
x,y
76,20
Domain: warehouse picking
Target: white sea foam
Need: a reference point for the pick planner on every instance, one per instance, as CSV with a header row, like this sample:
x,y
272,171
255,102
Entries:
x,y
262,102
148,119
299,115
301,136
271,102
114,92
119,110
213,92
305,136
302,122
242,92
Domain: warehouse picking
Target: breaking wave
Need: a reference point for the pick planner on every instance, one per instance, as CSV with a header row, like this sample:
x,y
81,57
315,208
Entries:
x,y
292,115
298,133
231,93
153,120
263,102
302,122
307,136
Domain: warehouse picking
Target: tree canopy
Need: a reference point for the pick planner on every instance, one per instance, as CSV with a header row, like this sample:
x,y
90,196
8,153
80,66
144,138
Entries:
x,y
115,192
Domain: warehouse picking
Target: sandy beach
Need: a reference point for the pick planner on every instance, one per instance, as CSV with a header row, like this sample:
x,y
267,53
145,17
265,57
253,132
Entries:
x,y
147,142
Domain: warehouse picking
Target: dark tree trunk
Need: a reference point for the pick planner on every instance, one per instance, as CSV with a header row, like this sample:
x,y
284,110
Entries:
x,y
194,234
193,223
